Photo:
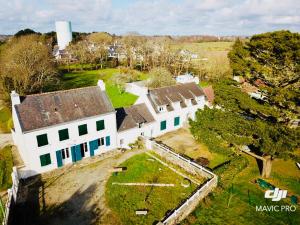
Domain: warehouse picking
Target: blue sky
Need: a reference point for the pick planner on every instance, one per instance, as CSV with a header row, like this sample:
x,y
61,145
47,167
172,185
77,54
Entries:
x,y
174,17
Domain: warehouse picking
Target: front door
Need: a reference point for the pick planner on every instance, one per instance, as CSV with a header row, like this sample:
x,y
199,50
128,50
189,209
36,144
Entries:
x,y
76,153
59,158
93,147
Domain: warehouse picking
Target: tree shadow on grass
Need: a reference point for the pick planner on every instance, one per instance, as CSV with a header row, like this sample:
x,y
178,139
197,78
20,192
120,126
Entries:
x,y
32,209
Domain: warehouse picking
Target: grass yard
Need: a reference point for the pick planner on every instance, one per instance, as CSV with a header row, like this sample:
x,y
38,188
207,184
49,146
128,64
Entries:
x,y
236,200
89,78
5,119
6,164
125,200
183,142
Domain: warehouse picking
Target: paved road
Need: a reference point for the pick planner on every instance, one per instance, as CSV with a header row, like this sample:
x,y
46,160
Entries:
x,y
5,139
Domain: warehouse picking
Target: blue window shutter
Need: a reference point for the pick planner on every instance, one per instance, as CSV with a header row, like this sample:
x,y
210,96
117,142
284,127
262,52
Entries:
x,y
73,153
93,147
59,158
78,153
107,141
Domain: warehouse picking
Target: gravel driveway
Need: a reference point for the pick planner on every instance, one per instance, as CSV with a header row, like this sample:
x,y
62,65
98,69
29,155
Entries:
x,y
72,195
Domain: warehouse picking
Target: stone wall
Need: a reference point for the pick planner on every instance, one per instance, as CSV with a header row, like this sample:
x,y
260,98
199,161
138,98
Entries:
x,y
185,208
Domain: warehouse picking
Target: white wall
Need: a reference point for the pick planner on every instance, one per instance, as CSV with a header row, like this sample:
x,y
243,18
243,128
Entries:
x,y
135,89
30,152
131,135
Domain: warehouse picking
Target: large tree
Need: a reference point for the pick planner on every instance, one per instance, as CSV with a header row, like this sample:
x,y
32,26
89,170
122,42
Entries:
x,y
243,121
274,58
26,65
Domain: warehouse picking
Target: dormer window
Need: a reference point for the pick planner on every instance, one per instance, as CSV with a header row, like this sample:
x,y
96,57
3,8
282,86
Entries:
x,y
188,102
161,108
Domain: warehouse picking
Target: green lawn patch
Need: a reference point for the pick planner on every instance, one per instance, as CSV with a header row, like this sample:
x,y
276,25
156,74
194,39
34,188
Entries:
x,y
6,164
90,78
236,198
5,120
125,200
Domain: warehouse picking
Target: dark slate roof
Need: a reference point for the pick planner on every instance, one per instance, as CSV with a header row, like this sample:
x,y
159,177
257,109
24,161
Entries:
x,y
52,108
130,117
175,93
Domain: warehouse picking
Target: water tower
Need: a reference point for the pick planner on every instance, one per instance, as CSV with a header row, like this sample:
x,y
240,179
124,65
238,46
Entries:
x,y
63,33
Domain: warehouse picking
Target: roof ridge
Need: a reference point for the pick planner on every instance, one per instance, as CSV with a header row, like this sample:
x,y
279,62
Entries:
x,y
61,91
174,85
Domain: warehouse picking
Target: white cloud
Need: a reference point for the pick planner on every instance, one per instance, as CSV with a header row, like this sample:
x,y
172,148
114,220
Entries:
x,y
153,17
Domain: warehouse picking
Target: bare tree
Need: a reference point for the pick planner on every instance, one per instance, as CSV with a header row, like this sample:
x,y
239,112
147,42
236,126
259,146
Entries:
x,y
27,66
160,77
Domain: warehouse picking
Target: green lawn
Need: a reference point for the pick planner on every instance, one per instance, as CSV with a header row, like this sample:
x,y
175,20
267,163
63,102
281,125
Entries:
x,y
125,200
6,164
236,198
5,120
89,78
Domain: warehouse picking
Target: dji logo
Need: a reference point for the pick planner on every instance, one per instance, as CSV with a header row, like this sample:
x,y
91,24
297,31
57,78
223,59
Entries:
x,y
276,194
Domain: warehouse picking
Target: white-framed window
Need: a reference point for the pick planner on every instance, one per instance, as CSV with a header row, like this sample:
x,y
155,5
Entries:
x,y
161,108
65,153
100,141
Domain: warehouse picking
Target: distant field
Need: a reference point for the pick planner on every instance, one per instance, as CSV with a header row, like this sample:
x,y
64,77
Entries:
x,y
89,78
212,56
125,200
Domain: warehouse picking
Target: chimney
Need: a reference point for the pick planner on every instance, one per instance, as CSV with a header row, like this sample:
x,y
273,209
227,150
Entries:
x,y
101,84
15,98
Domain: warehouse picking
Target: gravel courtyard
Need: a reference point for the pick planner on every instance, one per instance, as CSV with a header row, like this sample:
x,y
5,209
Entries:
x,y
72,195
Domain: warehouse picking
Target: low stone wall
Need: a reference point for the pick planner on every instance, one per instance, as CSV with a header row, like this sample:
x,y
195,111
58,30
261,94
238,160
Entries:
x,y
186,207
181,161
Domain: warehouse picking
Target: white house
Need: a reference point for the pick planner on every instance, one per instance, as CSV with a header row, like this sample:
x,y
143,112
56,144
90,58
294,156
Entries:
x,y
187,78
172,106
57,128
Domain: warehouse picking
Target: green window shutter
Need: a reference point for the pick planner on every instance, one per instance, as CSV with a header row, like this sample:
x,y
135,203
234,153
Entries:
x,y
63,134
42,140
100,125
45,159
82,129
176,121
163,125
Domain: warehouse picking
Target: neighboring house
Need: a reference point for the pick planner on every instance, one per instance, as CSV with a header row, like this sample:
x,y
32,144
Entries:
x,y
188,54
209,94
57,128
187,78
253,91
